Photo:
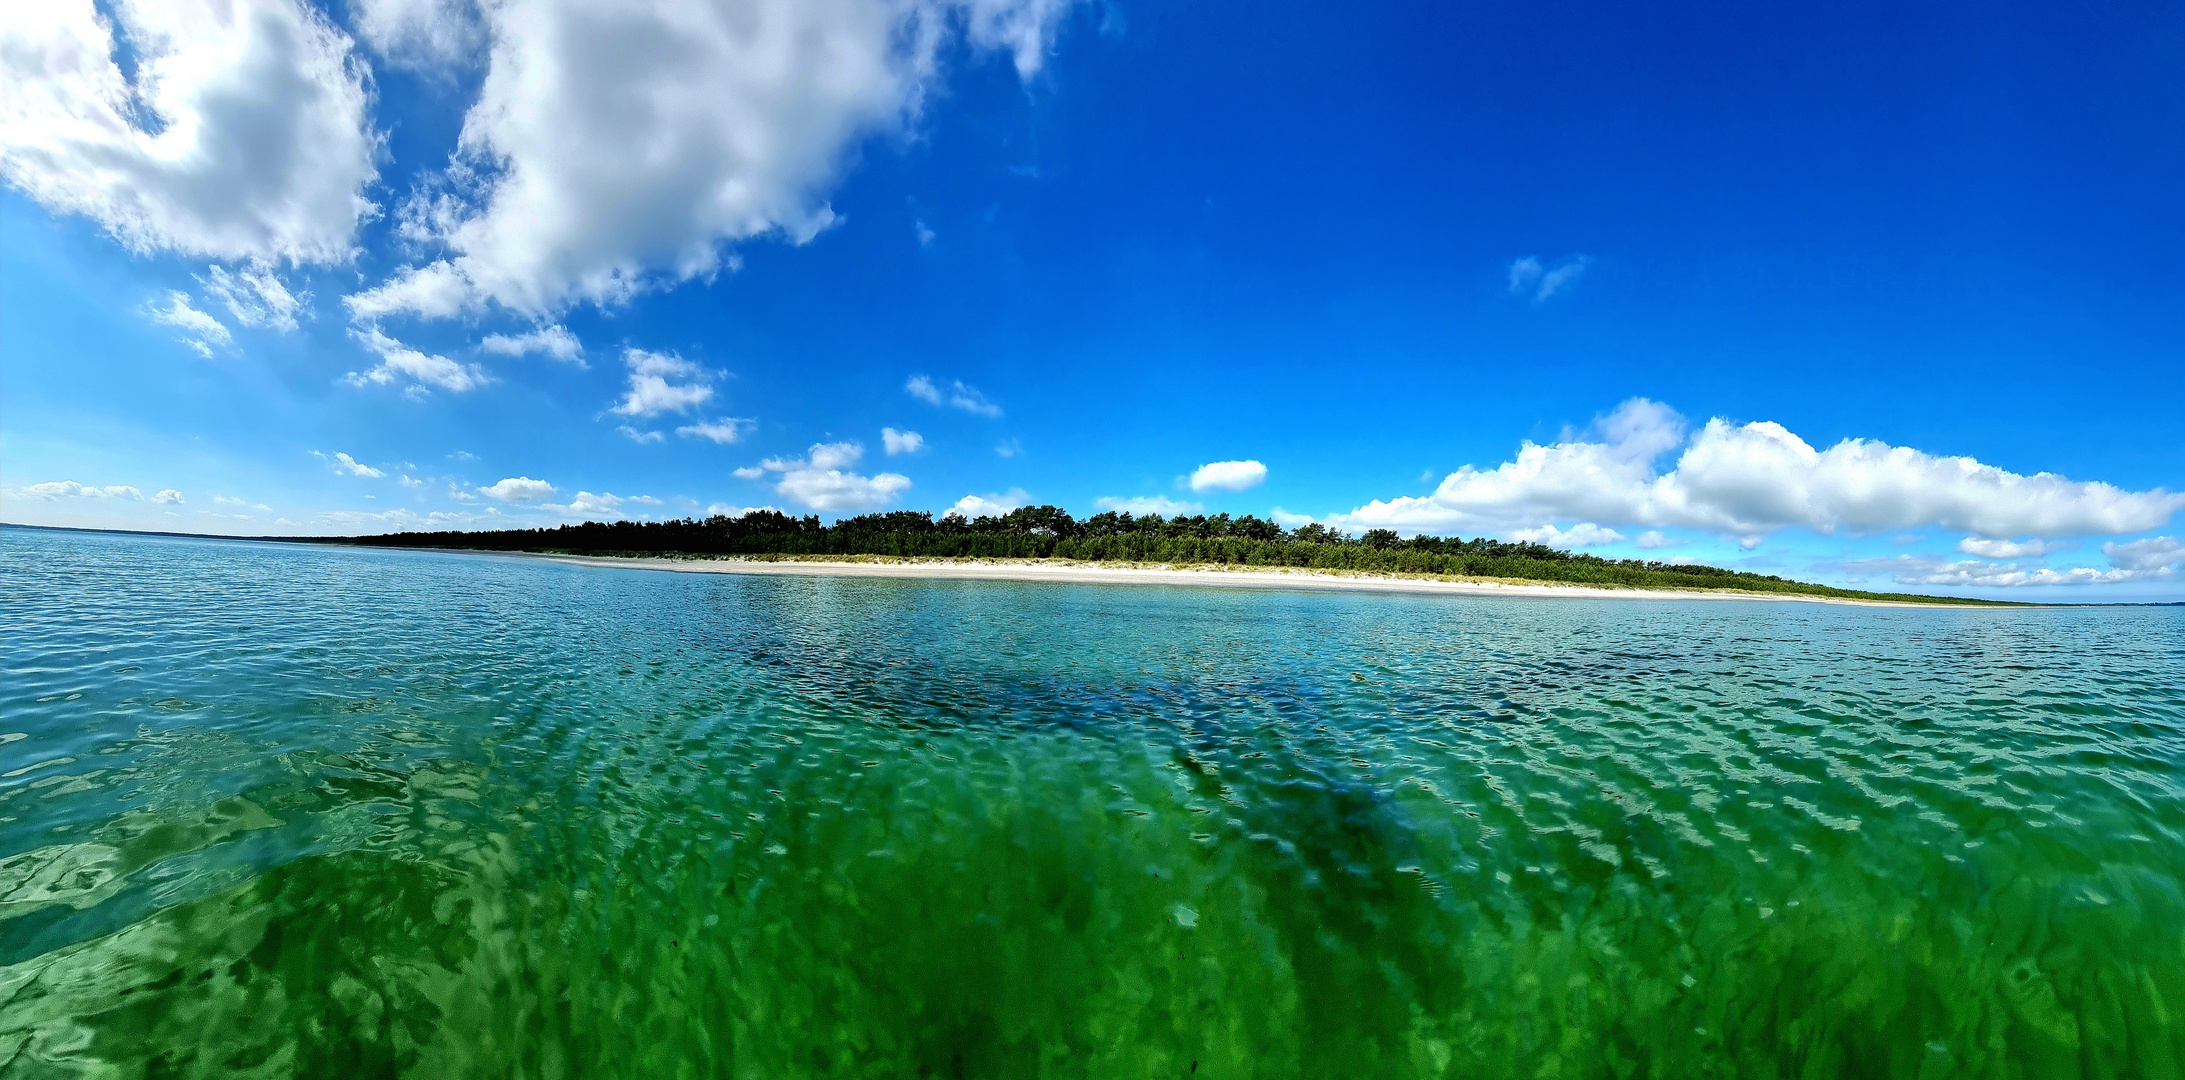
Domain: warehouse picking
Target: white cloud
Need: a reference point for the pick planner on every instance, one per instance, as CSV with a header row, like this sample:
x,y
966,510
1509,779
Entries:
x,y
1009,449
555,341
69,489
650,391
1155,504
169,496
199,330
1228,476
518,489
923,231
615,147
242,136
2010,549
2153,557
748,472
822,480
1531,277
587,504
1583,534
902,442
637,436
1653,539
399,361
256,296
973,507
344,463
728,510
836,455
1754,479
423,34
726,430
829,489
956,395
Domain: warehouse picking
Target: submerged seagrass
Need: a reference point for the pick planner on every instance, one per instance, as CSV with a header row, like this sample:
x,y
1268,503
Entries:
x,y
287,811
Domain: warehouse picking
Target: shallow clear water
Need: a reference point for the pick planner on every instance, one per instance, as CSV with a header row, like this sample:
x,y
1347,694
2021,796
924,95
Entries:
x,y
285,811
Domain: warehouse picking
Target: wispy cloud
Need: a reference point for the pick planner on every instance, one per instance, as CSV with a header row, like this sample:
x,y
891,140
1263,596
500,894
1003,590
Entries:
x,y
955,395
1148,504
555,341
1529,276
200,331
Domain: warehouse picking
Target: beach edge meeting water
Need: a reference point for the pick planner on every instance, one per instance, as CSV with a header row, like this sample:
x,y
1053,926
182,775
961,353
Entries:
x,y
1045,544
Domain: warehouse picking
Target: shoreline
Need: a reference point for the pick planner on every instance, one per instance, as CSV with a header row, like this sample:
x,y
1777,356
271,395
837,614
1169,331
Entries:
x,y
1068,572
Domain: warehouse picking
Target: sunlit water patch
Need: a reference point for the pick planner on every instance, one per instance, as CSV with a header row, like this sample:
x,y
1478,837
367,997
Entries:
x,y
286,811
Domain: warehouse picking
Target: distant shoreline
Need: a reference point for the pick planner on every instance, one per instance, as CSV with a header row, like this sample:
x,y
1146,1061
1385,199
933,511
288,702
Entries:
x,y
1062,571
1069,571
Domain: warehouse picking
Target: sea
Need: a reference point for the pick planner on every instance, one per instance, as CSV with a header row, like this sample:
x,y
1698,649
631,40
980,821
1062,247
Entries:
x,y
282,810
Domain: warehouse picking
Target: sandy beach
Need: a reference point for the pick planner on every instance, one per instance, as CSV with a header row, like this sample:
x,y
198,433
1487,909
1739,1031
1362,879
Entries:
x,y
1057,571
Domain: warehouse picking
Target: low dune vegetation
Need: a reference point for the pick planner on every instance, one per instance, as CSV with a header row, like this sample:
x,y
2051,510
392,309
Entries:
x,y
1049,532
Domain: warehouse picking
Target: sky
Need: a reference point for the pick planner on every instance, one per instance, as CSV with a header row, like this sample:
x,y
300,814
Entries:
x,y
1880,295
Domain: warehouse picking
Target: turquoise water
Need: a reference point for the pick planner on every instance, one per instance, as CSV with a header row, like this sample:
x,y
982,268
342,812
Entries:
x,y
286,811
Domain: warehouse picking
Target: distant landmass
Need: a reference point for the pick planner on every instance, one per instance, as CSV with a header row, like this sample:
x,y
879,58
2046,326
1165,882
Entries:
x,y
1049,532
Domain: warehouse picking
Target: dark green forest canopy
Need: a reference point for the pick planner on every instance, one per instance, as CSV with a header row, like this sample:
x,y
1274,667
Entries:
x,y
1049,532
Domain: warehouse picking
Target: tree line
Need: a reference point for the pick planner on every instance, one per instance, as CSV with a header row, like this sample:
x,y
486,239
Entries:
x,y
1049,532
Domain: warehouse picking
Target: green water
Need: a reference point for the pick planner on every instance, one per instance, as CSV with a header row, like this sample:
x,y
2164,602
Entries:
x,y
273,811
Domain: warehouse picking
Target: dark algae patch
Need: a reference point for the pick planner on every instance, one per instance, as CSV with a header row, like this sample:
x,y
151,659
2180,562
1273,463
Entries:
x,y
438,816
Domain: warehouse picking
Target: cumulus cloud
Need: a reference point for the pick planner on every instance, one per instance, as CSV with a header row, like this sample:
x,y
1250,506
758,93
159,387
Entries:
x,y
822,479
614,147
555,341
1585,534
588,505
169,496
956,396
902,442
2156,558
1155,504
423,34
344,463
200,331
256,296
518,489
2011,549
1653,539
727,429
1531,277
973,507
733,511
241,136
651,393
1750,480
1228,476
398,362
69,489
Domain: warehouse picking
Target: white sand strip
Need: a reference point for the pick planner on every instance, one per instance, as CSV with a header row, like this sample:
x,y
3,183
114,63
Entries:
x,y
1068,572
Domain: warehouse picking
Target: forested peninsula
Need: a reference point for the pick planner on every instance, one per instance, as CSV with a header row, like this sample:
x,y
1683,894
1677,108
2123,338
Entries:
x,y
1048,532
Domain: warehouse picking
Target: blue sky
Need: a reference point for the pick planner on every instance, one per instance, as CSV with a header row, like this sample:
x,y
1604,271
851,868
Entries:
x,y
1603,275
